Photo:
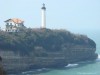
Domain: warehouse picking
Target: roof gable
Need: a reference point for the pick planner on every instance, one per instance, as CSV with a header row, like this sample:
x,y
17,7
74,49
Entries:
x,y
7,20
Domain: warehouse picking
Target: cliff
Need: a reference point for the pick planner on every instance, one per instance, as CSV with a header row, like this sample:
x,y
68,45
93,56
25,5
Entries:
x,y
39,48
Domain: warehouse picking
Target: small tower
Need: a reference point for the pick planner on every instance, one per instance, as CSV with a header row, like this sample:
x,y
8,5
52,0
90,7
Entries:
x,y
43,16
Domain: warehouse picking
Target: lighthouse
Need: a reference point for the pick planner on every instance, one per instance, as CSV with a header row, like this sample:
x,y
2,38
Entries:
x,y
43,9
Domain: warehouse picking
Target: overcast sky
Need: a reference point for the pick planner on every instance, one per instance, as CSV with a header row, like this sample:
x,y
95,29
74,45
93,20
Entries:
x,y
72,15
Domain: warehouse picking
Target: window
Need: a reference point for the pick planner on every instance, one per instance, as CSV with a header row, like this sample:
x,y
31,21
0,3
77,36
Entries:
x,y
10,23
7,23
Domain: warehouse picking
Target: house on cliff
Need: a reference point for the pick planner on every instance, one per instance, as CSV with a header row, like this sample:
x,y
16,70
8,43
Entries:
x,y
14,25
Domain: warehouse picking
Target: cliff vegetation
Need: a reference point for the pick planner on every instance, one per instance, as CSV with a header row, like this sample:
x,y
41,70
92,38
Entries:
x,y
44,39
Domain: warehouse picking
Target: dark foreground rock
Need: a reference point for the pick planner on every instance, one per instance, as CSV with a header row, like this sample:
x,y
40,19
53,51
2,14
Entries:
x,y
2,72
41,48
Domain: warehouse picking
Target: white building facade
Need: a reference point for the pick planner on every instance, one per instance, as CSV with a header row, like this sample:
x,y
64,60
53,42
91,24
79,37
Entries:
x,y
14,25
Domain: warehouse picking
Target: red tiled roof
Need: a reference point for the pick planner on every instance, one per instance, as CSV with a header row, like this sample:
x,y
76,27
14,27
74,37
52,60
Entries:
x,y
15,20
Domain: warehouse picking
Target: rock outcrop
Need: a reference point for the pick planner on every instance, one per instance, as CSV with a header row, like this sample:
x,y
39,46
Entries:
x,y
41,48
2,72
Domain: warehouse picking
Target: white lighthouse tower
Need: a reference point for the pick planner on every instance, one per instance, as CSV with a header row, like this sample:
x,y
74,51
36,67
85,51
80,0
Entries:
x,y
43,16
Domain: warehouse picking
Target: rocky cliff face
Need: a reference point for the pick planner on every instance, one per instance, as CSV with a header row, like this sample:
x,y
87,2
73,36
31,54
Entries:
x,y
41,48
2,72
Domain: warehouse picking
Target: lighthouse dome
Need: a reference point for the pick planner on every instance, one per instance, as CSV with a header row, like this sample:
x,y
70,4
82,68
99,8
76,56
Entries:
x,y
43,6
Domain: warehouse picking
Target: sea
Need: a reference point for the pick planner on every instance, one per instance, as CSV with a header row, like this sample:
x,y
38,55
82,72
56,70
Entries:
x,y
79,68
